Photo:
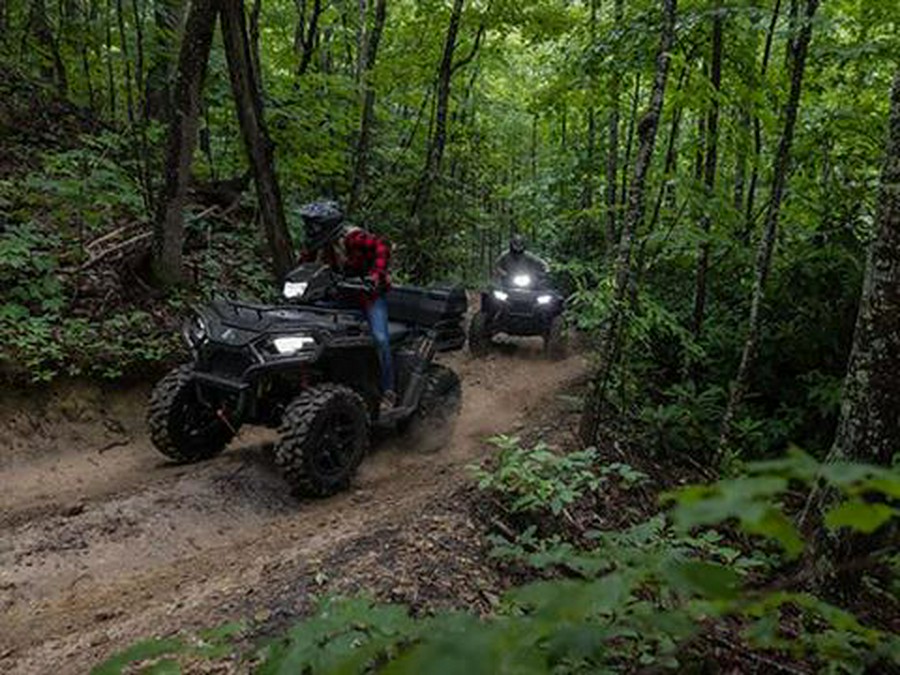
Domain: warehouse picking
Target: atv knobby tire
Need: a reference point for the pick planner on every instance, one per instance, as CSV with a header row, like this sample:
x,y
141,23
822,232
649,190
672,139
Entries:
x,y
556,340
324,436
431,425
479,335
181,427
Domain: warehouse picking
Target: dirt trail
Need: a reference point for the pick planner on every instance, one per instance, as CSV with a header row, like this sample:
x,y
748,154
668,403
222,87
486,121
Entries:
x,y
98,549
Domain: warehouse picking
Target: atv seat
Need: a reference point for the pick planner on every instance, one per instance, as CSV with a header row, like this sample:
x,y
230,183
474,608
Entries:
x,y
398,331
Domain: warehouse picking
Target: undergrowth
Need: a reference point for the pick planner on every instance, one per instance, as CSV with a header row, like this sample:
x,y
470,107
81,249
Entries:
x,y
720,561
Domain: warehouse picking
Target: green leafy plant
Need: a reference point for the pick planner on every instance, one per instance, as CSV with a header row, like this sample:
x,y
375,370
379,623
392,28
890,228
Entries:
x,y
536,478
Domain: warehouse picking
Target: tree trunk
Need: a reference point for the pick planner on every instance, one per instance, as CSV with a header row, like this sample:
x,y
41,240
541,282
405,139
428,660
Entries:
x,y
749,216
612,151
256,136
609,337
709,172
438,139
767,242
309,42
869,428
126,59
629,136
360,171
158,94
39,26
110,72
192,59
255,11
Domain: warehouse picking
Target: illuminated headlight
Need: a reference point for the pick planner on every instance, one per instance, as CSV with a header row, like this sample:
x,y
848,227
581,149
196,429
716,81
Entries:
x,y
196,330
294,289
544,299
522,280
502,296
293,344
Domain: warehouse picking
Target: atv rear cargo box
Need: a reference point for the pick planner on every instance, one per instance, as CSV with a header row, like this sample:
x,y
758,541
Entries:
x,y
441,308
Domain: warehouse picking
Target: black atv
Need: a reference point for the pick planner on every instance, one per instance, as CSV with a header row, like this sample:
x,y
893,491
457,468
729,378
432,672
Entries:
x,y
308,367
520,305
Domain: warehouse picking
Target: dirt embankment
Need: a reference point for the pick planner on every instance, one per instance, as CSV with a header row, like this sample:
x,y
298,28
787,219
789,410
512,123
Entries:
x,y
102,542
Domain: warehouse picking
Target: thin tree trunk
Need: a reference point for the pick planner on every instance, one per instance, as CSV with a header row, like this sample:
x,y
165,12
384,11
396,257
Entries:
x,y
309,42
869,428
360,171
300,28
256,136
767,242
666,194
362,39
194,53
110,72
612,150
39,26
255,11
609,337
709,173
757,129
158,94
438,139
629,139
123,45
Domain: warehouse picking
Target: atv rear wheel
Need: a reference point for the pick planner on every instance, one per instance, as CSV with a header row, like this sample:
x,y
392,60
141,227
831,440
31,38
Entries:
x,y
479,335
431,425
324,436
556,340
181,427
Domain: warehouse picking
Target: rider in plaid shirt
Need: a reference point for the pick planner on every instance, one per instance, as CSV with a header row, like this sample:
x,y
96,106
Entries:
x,y
353,252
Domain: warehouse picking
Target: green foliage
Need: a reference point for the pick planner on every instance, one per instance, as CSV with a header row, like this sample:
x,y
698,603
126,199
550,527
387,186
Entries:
x,y
641,595
151,654
536,478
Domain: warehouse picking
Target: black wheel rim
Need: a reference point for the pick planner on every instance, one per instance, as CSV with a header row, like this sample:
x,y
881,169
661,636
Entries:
x,y
197,420
336,445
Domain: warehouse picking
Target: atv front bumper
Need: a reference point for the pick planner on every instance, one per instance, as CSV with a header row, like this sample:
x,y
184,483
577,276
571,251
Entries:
x,y
520,314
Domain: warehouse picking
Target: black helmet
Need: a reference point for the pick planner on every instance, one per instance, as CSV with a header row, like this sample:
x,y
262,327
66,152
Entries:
x,y
517,244
322,222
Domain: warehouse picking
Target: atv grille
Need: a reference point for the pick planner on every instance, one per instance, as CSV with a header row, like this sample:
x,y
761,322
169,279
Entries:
x,y
225,362
521,307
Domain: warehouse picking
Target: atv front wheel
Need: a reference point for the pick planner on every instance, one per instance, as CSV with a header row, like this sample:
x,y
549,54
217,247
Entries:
x,y
324,436
431,425
479,336
556,341
181,427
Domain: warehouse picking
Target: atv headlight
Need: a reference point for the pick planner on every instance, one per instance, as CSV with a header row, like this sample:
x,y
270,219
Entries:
x,y
291,344
502,296
196,330
522,280
544,299
294,289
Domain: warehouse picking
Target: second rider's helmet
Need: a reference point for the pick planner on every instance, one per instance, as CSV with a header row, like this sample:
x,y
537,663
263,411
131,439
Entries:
x,y
517,244
322,223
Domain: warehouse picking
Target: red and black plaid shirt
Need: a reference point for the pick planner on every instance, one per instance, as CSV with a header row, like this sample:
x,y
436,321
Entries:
x,y
366,256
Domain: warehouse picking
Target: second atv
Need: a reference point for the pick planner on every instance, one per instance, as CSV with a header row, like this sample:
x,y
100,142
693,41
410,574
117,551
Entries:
x,y
520,304
308,368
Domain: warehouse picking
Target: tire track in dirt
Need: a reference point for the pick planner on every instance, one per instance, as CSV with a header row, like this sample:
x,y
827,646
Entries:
x,y
121,552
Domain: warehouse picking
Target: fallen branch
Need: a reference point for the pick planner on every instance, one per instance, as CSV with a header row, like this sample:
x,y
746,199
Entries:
x,y
110,235
144,236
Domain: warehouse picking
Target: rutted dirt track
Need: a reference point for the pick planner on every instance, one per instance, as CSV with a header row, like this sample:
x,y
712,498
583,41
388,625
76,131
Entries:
x,y
102,542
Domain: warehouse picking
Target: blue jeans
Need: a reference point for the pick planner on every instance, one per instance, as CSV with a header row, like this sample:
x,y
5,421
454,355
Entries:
x,y
377,314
